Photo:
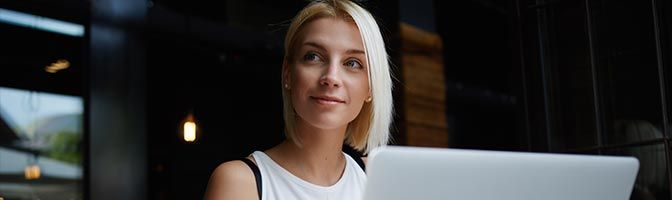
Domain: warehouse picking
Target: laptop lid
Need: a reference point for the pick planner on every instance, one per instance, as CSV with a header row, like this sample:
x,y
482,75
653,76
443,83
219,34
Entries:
x,y
431,173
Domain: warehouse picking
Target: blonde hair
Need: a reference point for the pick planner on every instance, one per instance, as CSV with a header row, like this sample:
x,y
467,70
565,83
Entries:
x,y
371,127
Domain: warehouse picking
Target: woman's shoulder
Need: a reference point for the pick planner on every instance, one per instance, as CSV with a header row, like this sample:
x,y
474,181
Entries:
x,y
232,180
234,169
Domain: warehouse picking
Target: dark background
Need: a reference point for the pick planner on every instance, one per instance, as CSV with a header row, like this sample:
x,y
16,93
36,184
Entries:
x,y
565,76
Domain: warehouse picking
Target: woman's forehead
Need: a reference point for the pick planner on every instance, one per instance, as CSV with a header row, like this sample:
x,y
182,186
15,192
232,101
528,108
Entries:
x,y
331,33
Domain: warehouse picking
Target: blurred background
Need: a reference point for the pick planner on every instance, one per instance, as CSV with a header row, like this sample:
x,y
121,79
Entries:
x,y
139,99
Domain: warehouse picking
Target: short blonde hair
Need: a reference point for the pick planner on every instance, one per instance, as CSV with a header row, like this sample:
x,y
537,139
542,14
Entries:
x,y
371,127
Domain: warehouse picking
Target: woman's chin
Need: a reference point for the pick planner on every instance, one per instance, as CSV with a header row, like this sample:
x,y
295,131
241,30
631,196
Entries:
x,y
326,123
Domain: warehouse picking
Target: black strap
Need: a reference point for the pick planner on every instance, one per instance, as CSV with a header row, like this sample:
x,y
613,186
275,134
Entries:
x,y
354,154
360,162
257,174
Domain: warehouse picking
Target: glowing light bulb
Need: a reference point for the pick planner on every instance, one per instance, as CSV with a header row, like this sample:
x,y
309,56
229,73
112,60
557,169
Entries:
x,y
189,131
189,128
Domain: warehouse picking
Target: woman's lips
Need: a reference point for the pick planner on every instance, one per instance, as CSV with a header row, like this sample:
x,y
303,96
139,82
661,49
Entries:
x,y
327,100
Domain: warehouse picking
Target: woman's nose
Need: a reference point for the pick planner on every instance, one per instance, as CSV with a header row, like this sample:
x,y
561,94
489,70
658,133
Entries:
x,y
331,78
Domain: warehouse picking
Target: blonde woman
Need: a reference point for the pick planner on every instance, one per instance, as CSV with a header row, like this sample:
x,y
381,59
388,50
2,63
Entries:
x,y
337,89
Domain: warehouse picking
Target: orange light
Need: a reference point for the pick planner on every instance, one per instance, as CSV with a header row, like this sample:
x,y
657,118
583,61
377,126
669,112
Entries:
x,y
57,66
32,172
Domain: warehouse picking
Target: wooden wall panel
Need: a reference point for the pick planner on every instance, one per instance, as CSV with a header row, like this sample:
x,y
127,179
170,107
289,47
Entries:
x,y
424,88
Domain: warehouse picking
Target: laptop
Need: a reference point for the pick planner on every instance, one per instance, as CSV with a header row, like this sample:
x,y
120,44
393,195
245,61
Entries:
x,y
396,173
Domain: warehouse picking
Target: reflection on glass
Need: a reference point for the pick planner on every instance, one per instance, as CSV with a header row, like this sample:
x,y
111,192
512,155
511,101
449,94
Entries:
x,y
41,23
628,131
568,60
40,150
666,45
652,182
628,67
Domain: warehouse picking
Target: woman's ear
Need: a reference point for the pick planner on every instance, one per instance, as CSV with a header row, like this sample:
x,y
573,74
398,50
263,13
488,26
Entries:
x,y
286,75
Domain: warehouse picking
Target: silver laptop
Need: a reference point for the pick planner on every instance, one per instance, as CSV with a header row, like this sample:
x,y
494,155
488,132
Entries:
x,y
431,173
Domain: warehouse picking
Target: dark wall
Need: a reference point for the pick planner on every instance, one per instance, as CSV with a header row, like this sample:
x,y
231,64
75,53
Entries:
x,y
234,96
117,111
484,97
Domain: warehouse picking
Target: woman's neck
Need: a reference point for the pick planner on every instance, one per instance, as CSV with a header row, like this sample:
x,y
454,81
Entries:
x,y
319,158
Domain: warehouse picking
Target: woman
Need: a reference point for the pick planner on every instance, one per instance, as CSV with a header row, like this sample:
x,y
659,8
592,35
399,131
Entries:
x,y
337,89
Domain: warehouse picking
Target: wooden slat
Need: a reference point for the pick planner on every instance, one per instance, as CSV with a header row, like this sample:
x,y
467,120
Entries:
x,y
423,61
426,136
415,39
426,116
414,100
423,80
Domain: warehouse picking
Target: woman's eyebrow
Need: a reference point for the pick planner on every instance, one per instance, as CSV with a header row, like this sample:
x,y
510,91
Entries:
x,y
314,44
317,45
354,51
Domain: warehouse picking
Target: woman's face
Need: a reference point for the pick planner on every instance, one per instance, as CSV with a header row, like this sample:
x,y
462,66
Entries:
x,y
329,80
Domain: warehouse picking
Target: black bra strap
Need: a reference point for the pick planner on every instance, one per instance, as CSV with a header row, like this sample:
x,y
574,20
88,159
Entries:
x,y
360,162
257,174
355,155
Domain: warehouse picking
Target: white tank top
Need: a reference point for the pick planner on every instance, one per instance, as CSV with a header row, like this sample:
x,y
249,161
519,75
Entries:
x,y
280,184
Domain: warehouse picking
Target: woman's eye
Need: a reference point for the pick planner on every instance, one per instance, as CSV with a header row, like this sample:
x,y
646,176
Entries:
x,y
310,56
353,64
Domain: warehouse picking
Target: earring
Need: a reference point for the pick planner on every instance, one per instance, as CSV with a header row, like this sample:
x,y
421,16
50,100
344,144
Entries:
x,y
368,99
286,86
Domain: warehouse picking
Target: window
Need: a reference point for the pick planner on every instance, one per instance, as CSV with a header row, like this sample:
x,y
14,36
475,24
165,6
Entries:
x,y
41,151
